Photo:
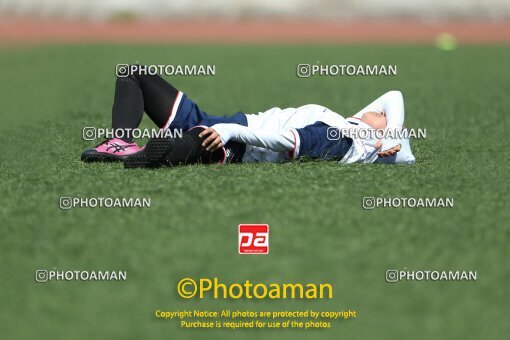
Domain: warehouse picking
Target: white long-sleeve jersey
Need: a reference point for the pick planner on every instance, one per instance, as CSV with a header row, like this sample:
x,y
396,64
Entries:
x,y
271,136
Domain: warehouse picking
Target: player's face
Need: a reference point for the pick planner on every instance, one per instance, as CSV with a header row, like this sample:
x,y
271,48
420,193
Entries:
x,y
374,119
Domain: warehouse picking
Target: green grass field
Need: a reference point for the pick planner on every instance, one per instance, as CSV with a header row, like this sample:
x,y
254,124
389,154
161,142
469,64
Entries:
x,y
319,231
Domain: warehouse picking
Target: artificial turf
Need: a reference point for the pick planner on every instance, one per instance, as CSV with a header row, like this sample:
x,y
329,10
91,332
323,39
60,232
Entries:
x,y
319,231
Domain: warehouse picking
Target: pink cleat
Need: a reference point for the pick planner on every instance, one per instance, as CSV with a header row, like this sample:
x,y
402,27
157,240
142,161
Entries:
x,y
111,150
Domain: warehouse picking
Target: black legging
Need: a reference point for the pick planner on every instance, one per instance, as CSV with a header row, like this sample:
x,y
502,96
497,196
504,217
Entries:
x,y
135,94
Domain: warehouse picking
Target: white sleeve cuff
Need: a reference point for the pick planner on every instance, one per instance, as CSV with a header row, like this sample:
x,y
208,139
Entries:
x,y
389,143
225,131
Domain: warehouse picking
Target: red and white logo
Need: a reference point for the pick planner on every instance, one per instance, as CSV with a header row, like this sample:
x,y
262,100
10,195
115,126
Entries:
x,y
253,239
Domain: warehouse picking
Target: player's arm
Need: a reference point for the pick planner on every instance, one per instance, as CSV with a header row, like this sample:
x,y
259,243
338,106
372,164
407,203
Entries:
x,y
391,105
218,135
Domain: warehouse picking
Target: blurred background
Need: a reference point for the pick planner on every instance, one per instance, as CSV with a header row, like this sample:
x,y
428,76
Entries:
x,y
178,9
471,21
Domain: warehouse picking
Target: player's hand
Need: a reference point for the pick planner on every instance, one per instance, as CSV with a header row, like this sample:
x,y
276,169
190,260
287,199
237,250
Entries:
x,y
389,152
213,141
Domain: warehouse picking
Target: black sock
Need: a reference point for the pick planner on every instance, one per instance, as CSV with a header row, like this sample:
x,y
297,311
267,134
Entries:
x,y
136,93
127,111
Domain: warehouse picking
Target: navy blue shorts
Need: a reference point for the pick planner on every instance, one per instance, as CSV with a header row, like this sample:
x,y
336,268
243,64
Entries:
x,y
321,141
186,114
